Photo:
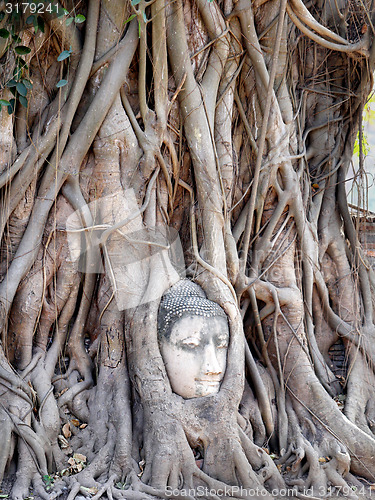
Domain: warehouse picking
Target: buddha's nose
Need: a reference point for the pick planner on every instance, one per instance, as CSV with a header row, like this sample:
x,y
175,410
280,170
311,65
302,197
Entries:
x,y
211,364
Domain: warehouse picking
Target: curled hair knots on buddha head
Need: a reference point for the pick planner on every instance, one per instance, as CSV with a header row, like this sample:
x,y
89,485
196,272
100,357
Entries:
x,y
185,298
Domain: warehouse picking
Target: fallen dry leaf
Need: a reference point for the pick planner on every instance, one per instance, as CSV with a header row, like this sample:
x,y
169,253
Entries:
x,y
79,458
66,430
63,441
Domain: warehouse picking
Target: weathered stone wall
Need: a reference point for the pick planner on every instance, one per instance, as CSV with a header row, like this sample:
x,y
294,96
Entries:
x,y
366,229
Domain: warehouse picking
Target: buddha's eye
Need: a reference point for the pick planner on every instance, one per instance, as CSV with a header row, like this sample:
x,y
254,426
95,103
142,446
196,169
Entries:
x,y
190,343
222,344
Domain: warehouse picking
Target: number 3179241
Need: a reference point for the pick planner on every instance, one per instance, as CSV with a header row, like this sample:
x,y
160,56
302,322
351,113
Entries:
x,y
32,7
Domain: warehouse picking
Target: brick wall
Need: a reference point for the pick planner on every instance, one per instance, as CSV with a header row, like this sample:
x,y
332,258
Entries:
x,y
366,228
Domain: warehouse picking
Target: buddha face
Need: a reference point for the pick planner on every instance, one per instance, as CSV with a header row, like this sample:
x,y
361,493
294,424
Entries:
x,y
195,355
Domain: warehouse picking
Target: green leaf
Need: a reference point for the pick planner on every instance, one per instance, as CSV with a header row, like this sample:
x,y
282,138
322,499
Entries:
x,y
144,17
4,102
30,19
4,33
130,18
21,89
61,83
64,55
11,83
40,21
22,50
35,23
135,2
23,101
69,21
21,63
80,19
27,84
365,145
48,480
60,11
12,105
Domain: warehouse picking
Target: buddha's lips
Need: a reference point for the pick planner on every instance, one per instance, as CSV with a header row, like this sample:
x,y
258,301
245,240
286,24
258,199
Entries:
x,y
205,381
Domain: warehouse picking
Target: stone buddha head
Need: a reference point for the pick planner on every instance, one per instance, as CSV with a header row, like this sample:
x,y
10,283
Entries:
x,y
193,338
